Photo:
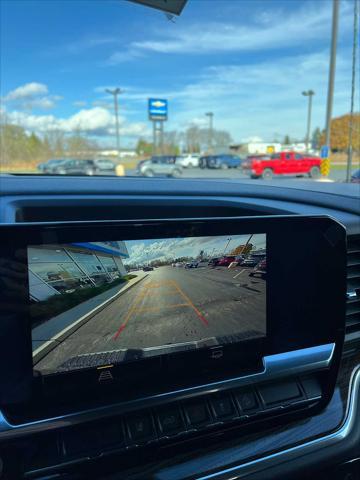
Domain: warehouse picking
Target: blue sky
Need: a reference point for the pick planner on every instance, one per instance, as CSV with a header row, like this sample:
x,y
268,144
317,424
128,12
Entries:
x,y
143,251
247,61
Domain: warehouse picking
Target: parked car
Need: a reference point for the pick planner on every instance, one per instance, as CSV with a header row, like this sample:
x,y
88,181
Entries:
x,y
355,177
204,160
224,161
226,260
282,163
148,268
178,264
159,165
239,259
48,167
259,269
103,165
189,160
213,261
220,161
84,167
250,262
192,264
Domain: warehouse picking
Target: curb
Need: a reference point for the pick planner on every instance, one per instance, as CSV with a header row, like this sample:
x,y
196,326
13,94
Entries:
x,y
49,345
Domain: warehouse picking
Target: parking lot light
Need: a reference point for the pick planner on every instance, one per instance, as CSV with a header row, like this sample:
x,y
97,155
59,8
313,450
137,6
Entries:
x,y
228,241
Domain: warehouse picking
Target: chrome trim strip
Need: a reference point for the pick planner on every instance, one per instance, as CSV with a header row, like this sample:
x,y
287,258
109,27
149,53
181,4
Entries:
x,y
352,416
275,366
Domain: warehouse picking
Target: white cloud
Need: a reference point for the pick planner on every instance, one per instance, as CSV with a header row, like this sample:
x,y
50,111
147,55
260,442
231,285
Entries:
x,y
198,122
44,103
81,45
88,43
92,119
103,103
269,30
96,121
136,129
124,56
32,95
143,252
261,99
167,248
29,90
256,99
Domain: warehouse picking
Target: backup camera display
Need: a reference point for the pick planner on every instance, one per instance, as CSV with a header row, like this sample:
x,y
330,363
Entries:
x,y
110,302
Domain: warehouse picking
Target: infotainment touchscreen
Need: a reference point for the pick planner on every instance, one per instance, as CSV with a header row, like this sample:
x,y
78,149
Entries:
x,y
131,299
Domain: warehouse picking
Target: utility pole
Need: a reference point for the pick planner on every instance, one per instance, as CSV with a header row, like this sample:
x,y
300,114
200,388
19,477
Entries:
x,y
309,94
116,92
353,80
330,94
211,127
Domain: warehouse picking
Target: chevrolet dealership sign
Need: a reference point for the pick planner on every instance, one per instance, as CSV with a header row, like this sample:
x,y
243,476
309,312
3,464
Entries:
x,y
158,109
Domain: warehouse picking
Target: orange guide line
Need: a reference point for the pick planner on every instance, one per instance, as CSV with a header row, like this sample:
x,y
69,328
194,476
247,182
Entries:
x,y
198,313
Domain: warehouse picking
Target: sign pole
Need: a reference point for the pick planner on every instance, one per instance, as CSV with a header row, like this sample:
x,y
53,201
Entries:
x,y
158,114
161,129
154,137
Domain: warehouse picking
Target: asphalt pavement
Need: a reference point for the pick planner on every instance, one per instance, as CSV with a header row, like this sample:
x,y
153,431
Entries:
x,y
173,305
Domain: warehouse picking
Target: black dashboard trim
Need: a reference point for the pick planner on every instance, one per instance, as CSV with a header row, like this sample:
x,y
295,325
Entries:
x,y
336,445
297,362
314,193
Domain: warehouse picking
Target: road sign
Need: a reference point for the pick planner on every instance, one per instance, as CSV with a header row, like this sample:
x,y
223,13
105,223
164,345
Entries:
x,y
324,152
158,109
325,167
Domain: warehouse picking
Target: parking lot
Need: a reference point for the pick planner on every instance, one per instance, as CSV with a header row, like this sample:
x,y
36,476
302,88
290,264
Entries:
x,y
170,306
336,175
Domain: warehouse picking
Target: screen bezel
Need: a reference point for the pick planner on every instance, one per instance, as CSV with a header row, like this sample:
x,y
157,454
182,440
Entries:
x,y
329,235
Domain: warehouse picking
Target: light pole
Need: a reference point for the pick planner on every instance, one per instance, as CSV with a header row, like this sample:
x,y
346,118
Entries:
x,y
116,92
211,126
228,241
309,94
248,241
330,93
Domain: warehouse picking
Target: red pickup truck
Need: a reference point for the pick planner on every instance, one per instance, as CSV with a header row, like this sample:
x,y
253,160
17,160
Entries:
x,y
283,163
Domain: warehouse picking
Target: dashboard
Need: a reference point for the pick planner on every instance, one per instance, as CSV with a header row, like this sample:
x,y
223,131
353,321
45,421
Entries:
x,y
271,423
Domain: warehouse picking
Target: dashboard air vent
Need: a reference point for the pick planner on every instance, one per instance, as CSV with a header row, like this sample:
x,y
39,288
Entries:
x,y
353,285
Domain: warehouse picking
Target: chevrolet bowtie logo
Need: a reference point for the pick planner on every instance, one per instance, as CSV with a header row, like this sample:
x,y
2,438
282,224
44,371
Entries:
x,y
158,104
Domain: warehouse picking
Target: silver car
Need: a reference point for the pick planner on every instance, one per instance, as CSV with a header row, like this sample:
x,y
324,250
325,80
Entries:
x,y
158,166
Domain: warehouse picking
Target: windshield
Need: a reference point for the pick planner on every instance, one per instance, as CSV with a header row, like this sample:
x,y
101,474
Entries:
x,y
220,91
